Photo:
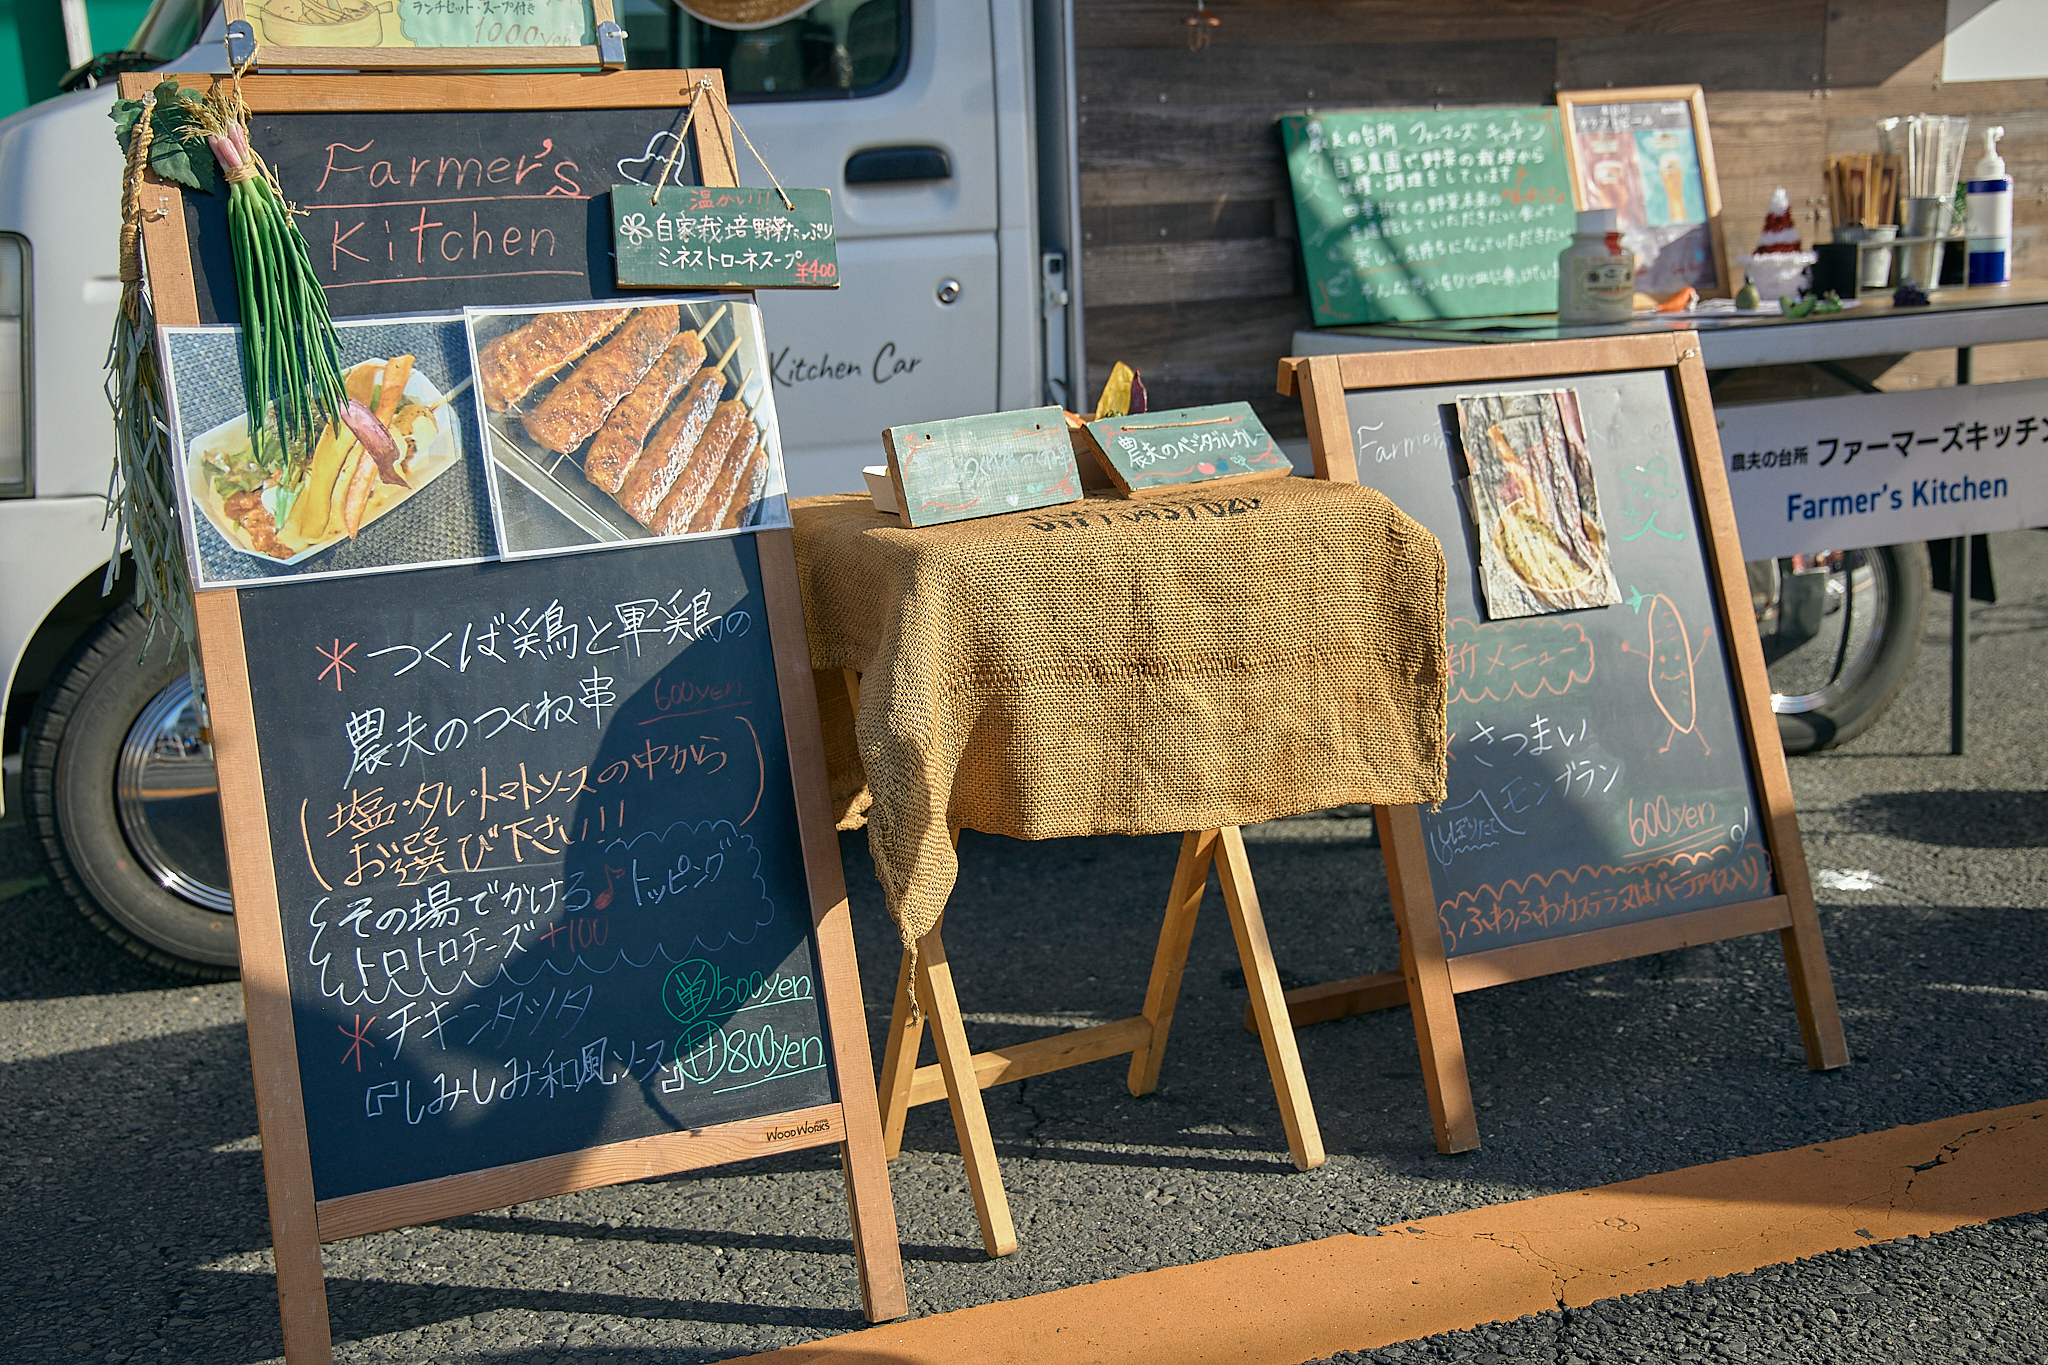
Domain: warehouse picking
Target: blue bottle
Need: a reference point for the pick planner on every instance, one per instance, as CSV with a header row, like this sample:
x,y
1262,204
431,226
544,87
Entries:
x,y
1987,215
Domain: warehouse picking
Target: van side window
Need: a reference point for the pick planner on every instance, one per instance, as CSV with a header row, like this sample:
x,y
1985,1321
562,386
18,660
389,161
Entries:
x,y
836,49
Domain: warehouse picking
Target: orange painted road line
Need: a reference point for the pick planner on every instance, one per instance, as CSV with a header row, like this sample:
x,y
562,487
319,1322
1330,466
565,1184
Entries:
x,y
1494,1264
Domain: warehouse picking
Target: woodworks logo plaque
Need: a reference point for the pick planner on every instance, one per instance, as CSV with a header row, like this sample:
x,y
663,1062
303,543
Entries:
x,y
804,1130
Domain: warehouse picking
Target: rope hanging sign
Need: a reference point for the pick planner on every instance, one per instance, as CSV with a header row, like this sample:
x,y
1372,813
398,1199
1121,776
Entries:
x,y
673,236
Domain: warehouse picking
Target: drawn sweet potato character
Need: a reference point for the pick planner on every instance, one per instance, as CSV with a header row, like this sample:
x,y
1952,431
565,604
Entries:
x,y
1672,667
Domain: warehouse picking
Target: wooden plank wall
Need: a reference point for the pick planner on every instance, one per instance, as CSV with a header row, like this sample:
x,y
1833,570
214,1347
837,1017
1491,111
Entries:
x,y
1189,252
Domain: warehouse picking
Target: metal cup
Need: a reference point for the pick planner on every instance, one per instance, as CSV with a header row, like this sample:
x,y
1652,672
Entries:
x,y
1876,267
1920,262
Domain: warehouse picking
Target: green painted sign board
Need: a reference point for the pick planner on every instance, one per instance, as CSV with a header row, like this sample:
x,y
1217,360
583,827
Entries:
x,y
1148,450
971,467
702,237
1409,215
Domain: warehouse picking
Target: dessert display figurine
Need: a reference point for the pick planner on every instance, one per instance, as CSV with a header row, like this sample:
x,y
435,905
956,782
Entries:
x,y
1780,234
1780,263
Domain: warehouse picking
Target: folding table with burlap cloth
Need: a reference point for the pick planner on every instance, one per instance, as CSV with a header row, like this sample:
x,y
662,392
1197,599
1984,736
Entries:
x,y
1179,664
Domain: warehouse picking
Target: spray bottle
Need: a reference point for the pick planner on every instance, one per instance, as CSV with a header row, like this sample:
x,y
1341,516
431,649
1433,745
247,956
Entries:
x,y
1988,216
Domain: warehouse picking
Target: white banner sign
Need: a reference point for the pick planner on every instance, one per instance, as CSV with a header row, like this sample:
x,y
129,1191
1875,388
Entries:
x,y
1885,468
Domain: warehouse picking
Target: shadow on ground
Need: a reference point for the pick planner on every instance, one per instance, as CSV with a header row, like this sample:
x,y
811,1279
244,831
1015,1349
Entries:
x,y
1954,819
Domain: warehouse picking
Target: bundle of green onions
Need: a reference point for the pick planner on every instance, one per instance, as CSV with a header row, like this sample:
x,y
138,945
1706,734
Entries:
x,y
291,368
291,373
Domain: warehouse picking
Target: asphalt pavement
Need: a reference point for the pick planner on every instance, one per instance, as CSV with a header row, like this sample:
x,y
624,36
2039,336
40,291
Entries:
x,y
133,1226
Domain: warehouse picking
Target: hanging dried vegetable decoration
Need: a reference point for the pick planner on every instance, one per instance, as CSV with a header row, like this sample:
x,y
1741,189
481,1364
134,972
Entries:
x,y
139,494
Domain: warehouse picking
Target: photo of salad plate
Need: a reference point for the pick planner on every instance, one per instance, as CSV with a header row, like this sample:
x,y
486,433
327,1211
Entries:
x,y
286,510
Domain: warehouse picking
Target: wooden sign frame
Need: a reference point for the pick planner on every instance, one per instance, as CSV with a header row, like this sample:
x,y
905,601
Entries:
x,y
1429,981
1703,146
164,240
299,1222
246,48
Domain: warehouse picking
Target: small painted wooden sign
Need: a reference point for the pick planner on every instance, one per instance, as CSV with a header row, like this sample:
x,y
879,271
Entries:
x,y
703,237
982,466
1150,452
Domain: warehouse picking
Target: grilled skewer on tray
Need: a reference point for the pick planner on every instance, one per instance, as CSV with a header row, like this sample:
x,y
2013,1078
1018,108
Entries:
x,y
643,404
626,428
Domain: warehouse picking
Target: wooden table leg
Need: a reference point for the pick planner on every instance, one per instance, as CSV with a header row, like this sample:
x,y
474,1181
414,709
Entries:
x,y
1190,880
963,1094
1269,1002
1431,1001
899,1064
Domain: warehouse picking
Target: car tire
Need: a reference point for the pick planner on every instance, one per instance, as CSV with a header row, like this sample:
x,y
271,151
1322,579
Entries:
x,y
1865,685
119,790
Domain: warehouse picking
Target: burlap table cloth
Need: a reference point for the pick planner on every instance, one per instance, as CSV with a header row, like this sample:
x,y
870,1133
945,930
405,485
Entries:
x,y
1133,667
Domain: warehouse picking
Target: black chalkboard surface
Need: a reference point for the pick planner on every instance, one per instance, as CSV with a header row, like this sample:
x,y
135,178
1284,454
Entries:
x,y
1598,773
429,210
1616,786
536,858
535,883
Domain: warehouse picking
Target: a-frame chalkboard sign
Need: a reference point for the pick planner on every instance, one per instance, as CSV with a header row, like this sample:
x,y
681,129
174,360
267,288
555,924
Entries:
x,y
1617,786
535,881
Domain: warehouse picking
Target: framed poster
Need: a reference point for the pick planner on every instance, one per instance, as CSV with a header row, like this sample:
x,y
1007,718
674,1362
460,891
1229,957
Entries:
x,y
1647,155
443,34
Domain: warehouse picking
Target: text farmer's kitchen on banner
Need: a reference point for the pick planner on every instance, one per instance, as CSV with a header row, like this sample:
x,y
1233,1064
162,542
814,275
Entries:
x,y
1882,469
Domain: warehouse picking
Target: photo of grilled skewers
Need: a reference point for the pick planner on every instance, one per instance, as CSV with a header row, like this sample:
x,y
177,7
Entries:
x,y
609,423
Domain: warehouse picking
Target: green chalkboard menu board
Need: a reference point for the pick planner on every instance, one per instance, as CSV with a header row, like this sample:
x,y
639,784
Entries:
x,y
732,238
1415,214
982,466
536,832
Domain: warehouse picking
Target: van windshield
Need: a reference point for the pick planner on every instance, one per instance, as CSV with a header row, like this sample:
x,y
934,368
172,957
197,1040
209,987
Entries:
x,y
836,49
171,27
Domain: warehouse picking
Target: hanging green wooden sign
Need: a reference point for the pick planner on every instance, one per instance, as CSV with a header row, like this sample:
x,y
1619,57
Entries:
x,y
704,237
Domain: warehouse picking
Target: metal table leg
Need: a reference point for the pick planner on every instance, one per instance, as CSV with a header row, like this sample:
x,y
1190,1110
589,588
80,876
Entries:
x,y
1959,643
1959,614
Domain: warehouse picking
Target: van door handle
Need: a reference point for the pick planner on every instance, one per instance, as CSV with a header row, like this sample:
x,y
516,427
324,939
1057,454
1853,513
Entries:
x,y
897,165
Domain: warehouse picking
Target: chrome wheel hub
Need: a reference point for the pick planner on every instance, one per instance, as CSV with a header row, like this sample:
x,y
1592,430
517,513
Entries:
x,y
168,799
